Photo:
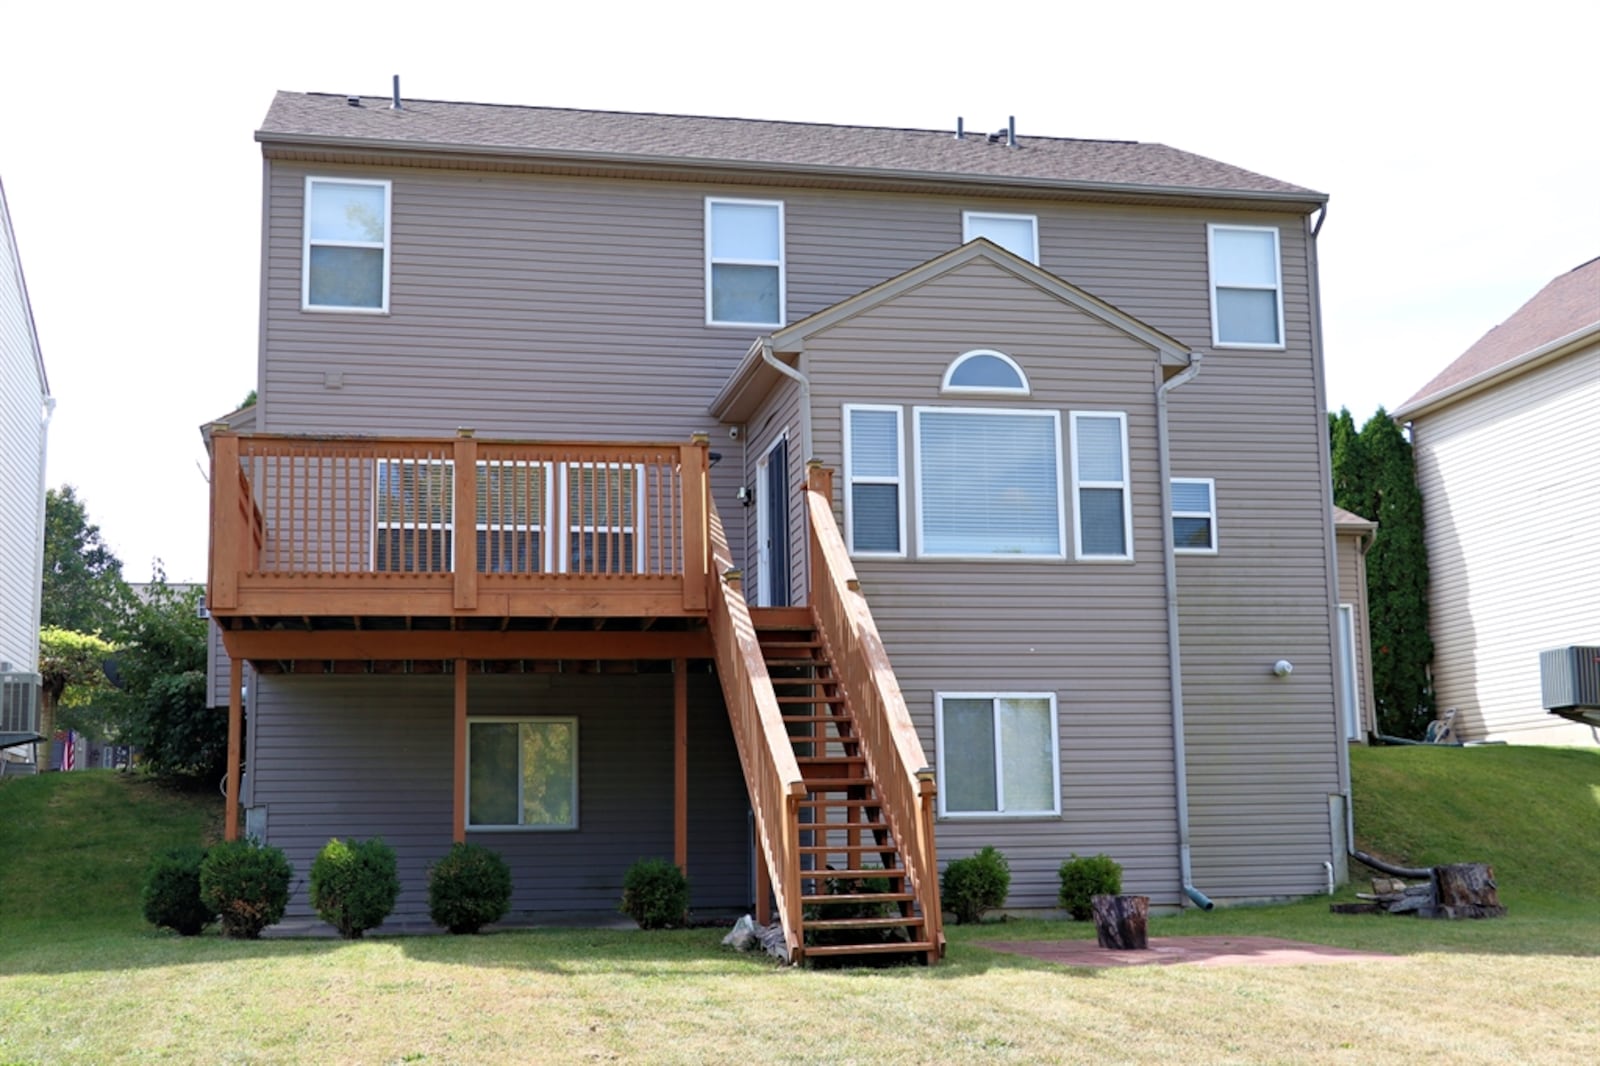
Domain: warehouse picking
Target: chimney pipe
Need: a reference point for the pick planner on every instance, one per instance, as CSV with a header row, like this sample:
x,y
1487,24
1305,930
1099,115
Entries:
x,y
396,105
1011,127
961,127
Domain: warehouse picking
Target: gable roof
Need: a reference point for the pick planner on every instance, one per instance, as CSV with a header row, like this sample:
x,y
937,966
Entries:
x,y
306,121
1350,522
13,266
755,375
1564,313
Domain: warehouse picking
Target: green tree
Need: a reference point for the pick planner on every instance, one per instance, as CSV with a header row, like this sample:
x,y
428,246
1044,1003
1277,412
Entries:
x,y
1374,475
82,581
72,667
161,670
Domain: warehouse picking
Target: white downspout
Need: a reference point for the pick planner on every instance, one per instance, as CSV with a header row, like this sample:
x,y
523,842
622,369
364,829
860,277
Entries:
x,y
1180,764
47,410
790,372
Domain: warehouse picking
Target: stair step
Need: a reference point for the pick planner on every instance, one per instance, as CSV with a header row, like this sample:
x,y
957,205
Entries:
x,y
861,897
848,849
835,784
828,760
840,827
811,699
915,921
910,947
821,718
822,803
798,662
790,643
891,873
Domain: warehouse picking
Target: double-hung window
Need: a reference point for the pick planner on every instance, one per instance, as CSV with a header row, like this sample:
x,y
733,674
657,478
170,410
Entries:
x,y
1246,287
744,262
604,501
1100,485
522,773
345,266
874,474
1017,234
998,754
414,520
1194,515
989,483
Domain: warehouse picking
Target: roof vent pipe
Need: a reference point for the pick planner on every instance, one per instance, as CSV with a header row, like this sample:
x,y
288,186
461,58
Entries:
x,y
396,105
961,127
1011,132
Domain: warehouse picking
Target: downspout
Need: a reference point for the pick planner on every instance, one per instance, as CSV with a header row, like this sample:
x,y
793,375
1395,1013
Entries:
x,y
1180,764
805,395
47,410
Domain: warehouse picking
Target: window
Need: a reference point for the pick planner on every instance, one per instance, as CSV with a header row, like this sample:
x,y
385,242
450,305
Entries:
x,y
744,262
1194,515
522,773
346,263
1017,234
1347,672
984,371
1100,485
603,505
1246,311
988,483
512,498
997,754
415,512
874,474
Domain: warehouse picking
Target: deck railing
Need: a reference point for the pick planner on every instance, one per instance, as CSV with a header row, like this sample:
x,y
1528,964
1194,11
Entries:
x,y
361,525
905,780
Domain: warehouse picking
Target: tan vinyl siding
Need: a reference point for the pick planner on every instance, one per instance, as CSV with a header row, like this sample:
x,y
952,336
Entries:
x,y
777,417
1353,591
1508,480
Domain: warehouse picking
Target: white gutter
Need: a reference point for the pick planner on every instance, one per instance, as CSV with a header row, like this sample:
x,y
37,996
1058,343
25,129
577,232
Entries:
x,y
47,409
805,395
1180,764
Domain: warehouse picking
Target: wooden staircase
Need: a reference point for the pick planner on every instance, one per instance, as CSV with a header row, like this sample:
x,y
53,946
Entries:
x,y
856,894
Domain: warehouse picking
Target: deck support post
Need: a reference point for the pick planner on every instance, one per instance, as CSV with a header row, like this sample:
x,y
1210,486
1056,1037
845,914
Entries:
x,y
230,825
459,792
680,764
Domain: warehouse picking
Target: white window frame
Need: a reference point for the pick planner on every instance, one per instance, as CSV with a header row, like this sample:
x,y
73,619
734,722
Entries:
x,y
518,827
306,242
1079,483
573,523
1212,229
969,217
547,548
783,275
999,755
1025,389
380,525
1061,520
1210,516
851,478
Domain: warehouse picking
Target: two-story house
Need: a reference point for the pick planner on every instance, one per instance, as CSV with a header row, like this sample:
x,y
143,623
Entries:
x,y
25,406
526,546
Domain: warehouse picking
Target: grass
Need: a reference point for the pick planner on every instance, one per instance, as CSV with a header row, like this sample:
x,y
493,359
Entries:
x,y
82,979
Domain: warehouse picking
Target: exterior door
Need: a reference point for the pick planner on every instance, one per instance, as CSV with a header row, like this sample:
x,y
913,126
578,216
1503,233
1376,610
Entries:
x,y
772,526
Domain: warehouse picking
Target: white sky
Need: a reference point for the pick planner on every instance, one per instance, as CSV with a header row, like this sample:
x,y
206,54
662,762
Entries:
x,y
1458,142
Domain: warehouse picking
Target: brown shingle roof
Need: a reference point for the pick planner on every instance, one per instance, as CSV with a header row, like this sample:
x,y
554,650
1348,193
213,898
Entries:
x,y
746,143
1568,305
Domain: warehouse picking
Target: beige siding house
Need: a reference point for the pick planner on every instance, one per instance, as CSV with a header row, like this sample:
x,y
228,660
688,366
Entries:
x,y
1357,709
1506,441
25,406
1068,509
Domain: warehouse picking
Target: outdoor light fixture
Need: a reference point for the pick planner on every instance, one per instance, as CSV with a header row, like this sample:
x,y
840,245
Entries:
x,y
1283,668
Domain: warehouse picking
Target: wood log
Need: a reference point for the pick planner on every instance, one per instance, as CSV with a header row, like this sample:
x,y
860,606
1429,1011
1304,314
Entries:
x,y
1468,890
1120,921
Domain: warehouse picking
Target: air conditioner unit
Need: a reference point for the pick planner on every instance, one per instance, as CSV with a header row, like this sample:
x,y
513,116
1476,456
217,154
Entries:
x,y
1570,679
19,708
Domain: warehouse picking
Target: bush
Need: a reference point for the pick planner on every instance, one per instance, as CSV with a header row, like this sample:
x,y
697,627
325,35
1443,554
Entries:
x,y
655,893
247,884
354,885
171,893
1082,878
468,888
976,884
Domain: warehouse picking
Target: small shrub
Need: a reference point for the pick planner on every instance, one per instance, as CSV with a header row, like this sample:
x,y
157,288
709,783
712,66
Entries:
x,y
655,893
976,884
1082,878
171,893
354,885
247,884
468,888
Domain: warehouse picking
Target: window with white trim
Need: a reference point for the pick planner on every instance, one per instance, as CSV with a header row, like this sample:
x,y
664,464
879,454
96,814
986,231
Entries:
x,y
998,754
414,516
1104,525
1246,287
522,773
1017,234
345,265
988,483
875,478
985,371
604,501
1194,515
744,262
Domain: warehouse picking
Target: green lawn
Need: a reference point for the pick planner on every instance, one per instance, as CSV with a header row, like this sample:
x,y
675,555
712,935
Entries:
x,y
82,979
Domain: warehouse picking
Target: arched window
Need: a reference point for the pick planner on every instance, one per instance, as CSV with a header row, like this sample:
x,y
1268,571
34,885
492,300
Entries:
x,y
985,370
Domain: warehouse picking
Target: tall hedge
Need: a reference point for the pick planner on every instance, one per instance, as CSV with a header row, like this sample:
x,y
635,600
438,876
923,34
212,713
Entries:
x,y
1374,475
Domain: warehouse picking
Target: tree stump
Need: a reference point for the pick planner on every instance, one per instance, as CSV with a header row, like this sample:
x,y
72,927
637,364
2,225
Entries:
x,y
1119,921
1467,890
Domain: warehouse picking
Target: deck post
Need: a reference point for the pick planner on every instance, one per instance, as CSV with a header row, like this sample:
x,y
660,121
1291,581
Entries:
x,y
763,885
465,545
459,814
230,827
680,764
819,479
694,460
222,589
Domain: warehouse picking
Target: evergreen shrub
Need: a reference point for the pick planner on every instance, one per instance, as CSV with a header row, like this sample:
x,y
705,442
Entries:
x,y
655,893
247,884
354,885
976,884
468,888
171,894
1084,878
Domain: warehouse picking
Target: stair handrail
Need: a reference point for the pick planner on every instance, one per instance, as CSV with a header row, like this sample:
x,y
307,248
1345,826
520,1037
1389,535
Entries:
x,y
766,753
905,779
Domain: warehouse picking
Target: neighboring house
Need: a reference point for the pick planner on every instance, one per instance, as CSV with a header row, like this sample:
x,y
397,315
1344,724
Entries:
x,y
25,406
1025,369
1506,440
1356,708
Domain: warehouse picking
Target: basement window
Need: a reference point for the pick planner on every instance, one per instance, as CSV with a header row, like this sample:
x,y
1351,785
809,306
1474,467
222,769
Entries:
x,y
522,773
